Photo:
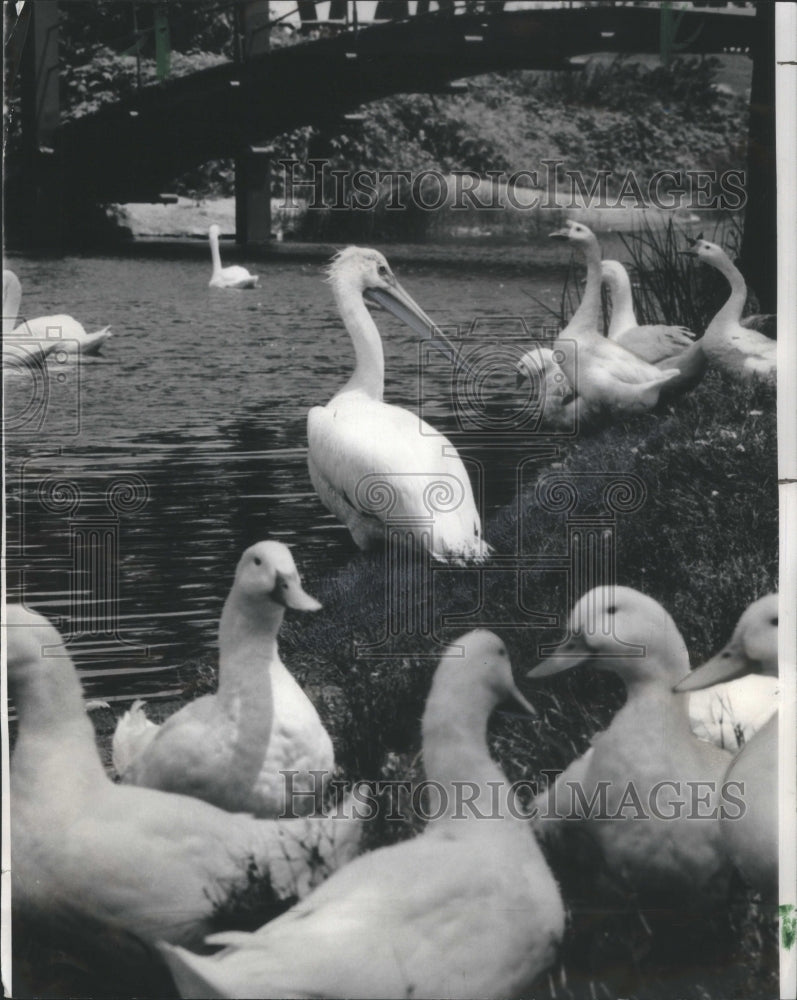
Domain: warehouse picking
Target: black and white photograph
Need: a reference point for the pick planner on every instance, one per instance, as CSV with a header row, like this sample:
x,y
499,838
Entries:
x,y
400,500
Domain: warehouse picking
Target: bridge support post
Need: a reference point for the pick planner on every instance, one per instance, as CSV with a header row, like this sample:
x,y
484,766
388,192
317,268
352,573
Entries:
x,y
253,162
38,213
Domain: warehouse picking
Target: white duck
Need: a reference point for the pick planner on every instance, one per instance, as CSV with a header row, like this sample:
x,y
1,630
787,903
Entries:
x,y
87,853
372,463
727,343
467,909
647,756
46,334
230,748
730,714
233,276
752,838
603,373
651,342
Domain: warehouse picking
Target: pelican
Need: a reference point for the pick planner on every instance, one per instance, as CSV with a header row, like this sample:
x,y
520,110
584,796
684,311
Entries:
x,y
603,373
372,463
46,334
227,277
652,342
751,838
467,909
727,343
232,748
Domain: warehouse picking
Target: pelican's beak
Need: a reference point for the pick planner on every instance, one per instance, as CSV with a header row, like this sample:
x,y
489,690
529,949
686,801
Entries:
x,y
560,234
571,654
404,307
728,664
289,592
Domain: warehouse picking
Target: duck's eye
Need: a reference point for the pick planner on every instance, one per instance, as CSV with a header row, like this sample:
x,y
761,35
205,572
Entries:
x,y
382,270
612,609
258,561
774,621
725,656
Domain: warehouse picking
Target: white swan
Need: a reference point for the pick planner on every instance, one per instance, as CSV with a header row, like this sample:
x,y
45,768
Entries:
x,y
467,909
751,839
666,849
231,748
727,343
372,463
89,854
603,374
233,276
730,713
651,342
46,334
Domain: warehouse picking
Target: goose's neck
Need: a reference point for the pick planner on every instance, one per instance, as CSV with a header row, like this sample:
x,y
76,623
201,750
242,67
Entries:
x,y
457,759
247,648
369,369
623,317
586,317
731,313
55,734
215,256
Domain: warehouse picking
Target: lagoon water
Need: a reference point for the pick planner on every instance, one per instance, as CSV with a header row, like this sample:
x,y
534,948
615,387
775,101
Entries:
x,y
135,480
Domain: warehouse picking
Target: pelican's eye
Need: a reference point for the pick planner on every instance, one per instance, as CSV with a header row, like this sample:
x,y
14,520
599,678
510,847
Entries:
x,y
382,270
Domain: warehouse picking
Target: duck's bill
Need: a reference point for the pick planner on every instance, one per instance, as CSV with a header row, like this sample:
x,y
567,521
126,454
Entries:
x,y
402,305
725,666
688,253
291,594
517,698
571,654
559,234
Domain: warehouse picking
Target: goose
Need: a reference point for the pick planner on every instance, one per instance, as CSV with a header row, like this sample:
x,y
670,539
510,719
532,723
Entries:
x,y
372,463
468,908
751,839
605,374
655,343
232,747
87,853
729,344
730,713
653,838
47,334
233,276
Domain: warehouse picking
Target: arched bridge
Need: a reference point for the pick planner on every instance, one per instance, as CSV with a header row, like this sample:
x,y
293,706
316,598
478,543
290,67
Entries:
x,y
130,151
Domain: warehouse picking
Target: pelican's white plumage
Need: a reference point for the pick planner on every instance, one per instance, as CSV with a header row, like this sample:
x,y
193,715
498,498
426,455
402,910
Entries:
x,y
603,373
233,276
230,748
371,462
651,342
46,334
752,838
727,343
87,853
672,856
467,909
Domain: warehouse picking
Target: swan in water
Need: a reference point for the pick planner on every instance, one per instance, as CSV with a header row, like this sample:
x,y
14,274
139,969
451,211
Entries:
x,y
372,463
751,839
729,344
88,854
604,374
467,909
664,850
233,276
46,334
232,747
652,342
